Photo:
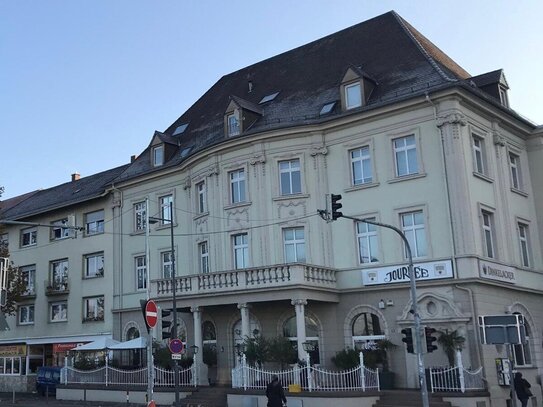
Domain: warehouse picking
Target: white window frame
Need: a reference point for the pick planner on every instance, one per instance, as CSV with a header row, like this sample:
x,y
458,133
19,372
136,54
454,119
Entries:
x,y
290,168
237,186
479,154
240,250
62,308
232,124
165,209
140,266
166,264
58,229
414,233
489,233
201,197
32,234
296,243
94,223
158,155
203,250
140,216
405,150
366,237
352,104
92,263
59,271
524,244
92,309
11,368
29,277
364,156
30,315
524,349
515,171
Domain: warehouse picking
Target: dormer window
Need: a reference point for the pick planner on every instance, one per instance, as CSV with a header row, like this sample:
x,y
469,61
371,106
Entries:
x,y
232,123
503,97
353,96
158,155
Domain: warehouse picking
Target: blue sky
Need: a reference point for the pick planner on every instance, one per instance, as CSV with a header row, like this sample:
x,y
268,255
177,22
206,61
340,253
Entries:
x,y
84,84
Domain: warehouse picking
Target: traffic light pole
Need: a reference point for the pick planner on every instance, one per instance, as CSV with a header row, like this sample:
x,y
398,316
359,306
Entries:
x,y
414,307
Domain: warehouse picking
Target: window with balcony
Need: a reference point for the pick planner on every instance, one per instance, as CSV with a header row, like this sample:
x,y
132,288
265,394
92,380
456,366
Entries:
x,y
59,231
294,244
29,279
479,155
405,156
93,309
237,186
165,213
414,230
141,273
361,166
59,275
516,173
166,264
366,235
94,222
29,237
240,247
524,243
289,177
94,265
140,214
487,224
201,197
58,311
26,314
203,250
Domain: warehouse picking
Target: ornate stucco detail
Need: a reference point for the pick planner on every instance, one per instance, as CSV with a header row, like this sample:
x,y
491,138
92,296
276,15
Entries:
x,y
238,217
451,118
212,170
298,302
201,224
316,150
186,183
289,209
257,159
498,139
439,309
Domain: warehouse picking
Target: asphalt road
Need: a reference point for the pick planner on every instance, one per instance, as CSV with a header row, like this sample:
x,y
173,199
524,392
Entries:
x,y
35,400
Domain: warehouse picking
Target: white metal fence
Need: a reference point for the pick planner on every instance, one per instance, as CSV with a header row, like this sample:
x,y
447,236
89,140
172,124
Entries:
x,y
456,379
308,377
108,375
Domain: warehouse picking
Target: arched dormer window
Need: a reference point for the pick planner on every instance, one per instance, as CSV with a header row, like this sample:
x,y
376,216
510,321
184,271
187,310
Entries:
x,y
240,115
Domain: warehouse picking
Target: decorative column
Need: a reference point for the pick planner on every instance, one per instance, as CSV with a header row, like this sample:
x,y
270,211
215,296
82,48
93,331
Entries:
x,y
198,341
299,307
245,320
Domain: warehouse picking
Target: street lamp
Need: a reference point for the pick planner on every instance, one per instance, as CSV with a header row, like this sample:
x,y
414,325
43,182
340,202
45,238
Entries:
x,y
151,220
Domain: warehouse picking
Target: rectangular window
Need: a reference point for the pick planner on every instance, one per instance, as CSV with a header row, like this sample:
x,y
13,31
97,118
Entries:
x,y
524,244
405,153
201,197
12,365
166,264
353,96
522,352
516,175
204,257
413,228
233,124
158,155
59,275
479,156
29,237
141,273
290,178
140,214
94,265
240,248
58,231
237,186
294,243
165,214
94,222
366,235
58,311
488,233
29,279
26,314
93,309
361,166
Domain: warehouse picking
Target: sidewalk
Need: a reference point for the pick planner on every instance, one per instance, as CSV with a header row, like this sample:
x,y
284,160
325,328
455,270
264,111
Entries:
x,y
35,400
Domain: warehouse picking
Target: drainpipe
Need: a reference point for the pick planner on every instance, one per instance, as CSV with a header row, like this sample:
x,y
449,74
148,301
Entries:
x,y
120,254
475,327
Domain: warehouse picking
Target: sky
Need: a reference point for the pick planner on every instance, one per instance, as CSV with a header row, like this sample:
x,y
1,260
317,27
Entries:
x,y
84,84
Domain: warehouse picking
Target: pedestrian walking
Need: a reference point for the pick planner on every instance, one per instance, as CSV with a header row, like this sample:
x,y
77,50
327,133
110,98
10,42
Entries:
x,y
275,394
522,389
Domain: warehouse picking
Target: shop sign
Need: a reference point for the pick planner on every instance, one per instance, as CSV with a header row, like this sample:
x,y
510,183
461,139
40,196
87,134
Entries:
x,y
12,350
65,347
493,271
400,274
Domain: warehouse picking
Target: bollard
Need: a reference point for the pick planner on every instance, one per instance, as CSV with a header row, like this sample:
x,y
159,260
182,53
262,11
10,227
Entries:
x,y
13,398
127,396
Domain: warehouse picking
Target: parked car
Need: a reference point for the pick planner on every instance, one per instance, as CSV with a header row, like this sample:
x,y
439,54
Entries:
x,y
47,380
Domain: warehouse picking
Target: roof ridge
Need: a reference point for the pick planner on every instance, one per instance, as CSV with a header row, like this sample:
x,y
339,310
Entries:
x,y
423,50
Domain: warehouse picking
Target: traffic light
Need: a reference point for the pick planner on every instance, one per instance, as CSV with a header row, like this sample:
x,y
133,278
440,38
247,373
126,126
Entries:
x,y
408,339
166,325
336,205
430,339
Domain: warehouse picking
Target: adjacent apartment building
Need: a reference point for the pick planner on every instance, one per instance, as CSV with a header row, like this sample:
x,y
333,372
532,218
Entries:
x,y
376,113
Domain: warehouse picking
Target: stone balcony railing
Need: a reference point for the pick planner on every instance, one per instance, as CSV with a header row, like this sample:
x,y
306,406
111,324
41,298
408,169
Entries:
x,y
267,277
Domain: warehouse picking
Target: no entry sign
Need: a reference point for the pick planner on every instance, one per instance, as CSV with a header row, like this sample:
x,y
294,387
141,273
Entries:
x,y
151,313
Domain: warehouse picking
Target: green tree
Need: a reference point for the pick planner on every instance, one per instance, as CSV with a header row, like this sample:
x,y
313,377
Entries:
x,y
257,350
282,351
16,285
451,341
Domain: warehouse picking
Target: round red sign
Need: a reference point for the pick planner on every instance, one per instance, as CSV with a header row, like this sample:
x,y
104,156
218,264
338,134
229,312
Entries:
x,y
151,404
151,313
176,346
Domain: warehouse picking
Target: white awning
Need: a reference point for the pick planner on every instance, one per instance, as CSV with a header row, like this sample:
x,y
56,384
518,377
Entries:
x,y
57,339
138,343
102,343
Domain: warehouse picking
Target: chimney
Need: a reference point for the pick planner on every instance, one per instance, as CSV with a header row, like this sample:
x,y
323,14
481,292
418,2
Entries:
x,y
250,83
75,176
133,158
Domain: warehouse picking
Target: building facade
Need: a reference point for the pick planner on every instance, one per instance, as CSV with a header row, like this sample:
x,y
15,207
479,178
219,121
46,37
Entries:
x,y
405,135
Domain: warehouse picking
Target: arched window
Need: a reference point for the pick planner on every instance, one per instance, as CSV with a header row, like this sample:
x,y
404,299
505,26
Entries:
x,y
254,329
132,357
132,333
290,332
209,335
522,352
366,329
